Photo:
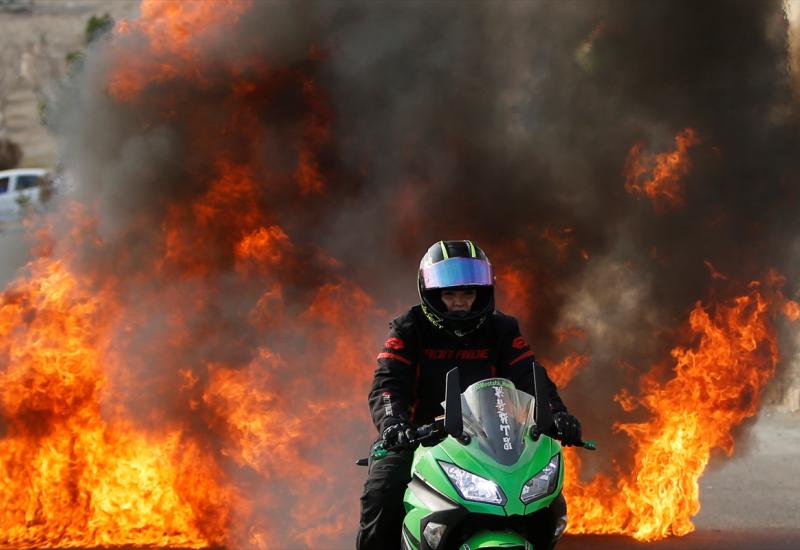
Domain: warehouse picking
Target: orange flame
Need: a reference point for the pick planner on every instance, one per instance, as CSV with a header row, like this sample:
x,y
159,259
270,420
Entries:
x,y
792,310
717,383
77,466
568,333
172,32
562,372
514,288
714,273
73,471
560,239
663,186
76,471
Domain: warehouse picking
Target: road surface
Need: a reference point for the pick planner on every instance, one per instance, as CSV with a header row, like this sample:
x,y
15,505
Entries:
x,y
749,501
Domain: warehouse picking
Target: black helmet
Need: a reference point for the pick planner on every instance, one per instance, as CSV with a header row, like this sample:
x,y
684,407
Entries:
x,y
456,265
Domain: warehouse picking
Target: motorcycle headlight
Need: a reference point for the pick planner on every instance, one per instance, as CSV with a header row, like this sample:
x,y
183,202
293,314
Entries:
x,y
542,484
472,487
433,533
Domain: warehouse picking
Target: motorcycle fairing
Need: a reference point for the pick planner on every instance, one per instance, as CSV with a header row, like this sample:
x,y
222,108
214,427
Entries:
x,y
431,495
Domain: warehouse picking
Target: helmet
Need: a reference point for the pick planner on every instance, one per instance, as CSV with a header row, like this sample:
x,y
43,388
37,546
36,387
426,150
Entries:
x,y
456,265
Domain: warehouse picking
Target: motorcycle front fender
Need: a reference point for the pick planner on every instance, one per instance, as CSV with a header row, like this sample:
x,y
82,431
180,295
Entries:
x,y
496,539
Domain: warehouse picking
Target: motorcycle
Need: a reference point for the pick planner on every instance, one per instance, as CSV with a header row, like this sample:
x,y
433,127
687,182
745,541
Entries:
x,y
482,471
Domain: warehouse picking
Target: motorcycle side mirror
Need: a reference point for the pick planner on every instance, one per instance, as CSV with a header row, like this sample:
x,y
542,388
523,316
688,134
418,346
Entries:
x,y
453,423
542,414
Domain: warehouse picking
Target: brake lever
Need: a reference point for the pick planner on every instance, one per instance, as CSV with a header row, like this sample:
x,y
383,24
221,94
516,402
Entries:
x,y
589,445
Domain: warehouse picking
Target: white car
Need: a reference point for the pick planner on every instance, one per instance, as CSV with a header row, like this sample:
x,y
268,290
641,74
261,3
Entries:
x,y
18,188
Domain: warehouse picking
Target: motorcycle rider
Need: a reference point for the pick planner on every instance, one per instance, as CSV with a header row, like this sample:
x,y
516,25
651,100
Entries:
x,y
455,325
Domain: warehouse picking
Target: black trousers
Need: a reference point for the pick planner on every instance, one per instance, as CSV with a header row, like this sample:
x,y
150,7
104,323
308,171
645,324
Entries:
x,y
382,510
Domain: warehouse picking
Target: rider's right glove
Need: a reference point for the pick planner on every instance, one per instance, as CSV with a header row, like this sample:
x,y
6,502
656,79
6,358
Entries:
x,y
399,436
568,427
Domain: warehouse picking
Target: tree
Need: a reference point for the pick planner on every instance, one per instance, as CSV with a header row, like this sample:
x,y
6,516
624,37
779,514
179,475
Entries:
x,y
96,27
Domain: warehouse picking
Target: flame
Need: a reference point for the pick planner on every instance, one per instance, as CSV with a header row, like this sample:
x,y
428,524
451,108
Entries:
x,y
171,33
563,372
514,288
663,186
569,333
252,374
73,470
718,378
714,273
792,310
560,239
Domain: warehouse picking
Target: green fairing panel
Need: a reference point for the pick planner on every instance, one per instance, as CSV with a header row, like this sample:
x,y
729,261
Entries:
x,y
533,457
500,449
495,539
510,478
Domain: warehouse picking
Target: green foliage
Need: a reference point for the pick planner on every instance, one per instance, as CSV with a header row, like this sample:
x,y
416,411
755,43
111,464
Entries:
x,y
97,26
73,58
10,154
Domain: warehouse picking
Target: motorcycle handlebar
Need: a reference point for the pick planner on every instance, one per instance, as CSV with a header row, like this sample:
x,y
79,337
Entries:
x,y
435,430
424,432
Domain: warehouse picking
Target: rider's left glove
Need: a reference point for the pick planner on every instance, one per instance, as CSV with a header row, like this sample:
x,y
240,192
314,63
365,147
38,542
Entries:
x,y
568,427
399,436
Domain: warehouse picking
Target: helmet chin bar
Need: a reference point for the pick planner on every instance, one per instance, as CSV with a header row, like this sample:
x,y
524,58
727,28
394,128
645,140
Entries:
x,y
454,328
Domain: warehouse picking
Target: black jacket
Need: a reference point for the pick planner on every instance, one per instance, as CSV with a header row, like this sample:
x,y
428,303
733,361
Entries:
x,y
409,382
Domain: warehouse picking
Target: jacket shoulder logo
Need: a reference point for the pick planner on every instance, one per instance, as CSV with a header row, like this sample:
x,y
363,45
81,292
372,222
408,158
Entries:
x,y
519,343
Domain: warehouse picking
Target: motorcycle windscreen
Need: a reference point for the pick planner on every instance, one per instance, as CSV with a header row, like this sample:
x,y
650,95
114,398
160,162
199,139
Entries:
x,y
497,415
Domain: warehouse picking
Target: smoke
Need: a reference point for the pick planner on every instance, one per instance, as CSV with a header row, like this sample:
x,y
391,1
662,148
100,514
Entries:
x,y
418,121
503,124
14,251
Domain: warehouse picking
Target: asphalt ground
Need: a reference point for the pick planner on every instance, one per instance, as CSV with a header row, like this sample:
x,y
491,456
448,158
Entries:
x,y
750,500
733,539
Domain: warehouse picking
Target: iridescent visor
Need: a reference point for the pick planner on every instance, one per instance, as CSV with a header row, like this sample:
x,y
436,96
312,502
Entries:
x,y
457,272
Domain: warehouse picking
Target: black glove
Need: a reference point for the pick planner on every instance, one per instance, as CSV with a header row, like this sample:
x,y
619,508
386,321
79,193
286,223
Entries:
x,y
399,436
568,428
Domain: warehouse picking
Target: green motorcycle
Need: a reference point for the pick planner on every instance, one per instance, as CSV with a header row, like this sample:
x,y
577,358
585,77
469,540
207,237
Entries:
x,y
481,472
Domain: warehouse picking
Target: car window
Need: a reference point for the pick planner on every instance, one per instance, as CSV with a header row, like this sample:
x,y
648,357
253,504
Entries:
x,y
26,182
3,185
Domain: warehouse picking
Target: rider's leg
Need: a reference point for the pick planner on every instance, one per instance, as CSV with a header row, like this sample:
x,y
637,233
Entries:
x,y
382,509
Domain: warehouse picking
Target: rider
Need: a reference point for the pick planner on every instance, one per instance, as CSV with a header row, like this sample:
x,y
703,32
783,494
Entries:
x,y
455,325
